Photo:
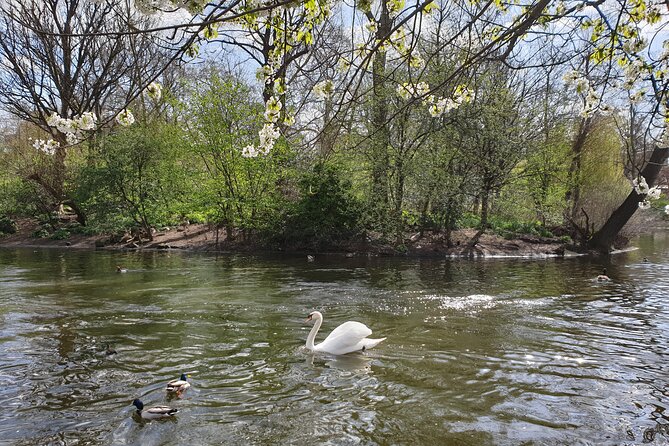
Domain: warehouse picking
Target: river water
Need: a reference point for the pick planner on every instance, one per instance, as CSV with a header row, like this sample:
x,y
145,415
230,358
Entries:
x,y
480,352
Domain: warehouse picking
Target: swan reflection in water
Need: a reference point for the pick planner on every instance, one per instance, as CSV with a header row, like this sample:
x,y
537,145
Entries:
x,y
353,362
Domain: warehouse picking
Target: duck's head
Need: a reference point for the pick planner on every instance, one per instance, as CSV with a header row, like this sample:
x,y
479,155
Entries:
x,y
138,404
184,377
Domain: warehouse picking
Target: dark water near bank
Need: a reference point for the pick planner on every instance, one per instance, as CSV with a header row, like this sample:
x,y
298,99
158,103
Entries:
x,y
478,352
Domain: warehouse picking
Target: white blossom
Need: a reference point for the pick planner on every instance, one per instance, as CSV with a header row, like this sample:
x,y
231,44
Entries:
x,y
73,138
635,45
249,152
73,128
405,91
87,121
268,136
66,125
422,88
324,89
637,96
441,106
395,7
666,209
633,70
654,193
582,85
47,146
53,119
264,73
605,109
154,90
571,77
273,109
645,204
125,118
640,185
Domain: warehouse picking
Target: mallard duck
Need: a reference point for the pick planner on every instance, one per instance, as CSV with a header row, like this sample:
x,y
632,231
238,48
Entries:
x,y
153,413
120,269
109,350
178,385
603,277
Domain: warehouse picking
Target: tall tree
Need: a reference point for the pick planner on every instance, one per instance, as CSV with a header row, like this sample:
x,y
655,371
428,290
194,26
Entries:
x,y
71,57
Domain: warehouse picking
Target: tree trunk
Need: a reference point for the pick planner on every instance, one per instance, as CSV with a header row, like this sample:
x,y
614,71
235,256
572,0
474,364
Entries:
x,y
603,239
380,134
573,195
484,209
399,199
81,216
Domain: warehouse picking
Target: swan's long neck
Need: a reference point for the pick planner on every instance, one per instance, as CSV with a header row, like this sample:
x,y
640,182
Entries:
x,y
312,334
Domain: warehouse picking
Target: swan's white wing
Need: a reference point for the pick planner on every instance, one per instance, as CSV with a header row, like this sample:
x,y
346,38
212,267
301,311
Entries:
x,y
344,337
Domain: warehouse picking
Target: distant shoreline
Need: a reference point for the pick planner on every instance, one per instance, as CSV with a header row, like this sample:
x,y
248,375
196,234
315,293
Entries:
x,y
202,238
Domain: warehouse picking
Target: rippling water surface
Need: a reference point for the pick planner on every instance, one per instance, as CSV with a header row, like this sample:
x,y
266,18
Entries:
x,y
478,352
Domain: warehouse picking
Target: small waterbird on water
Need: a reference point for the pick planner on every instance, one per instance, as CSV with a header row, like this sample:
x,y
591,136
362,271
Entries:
x,y
178,386
154,413
120,269
109,350
603,277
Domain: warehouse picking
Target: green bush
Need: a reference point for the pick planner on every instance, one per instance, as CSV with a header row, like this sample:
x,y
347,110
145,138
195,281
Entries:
x,y
40,233
327,212
8,226
139,179
60,234
469,220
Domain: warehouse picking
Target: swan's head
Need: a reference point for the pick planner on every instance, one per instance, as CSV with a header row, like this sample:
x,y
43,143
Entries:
x,y
314,315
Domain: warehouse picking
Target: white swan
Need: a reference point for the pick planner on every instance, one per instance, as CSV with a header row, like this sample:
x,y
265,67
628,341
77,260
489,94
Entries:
x,y
349,337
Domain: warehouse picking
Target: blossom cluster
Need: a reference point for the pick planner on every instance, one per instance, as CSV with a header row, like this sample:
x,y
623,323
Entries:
x,y
649,193
437,106
324,89
125,118
273,109
73,128
582,86
268,136
635,45
154,90
48,146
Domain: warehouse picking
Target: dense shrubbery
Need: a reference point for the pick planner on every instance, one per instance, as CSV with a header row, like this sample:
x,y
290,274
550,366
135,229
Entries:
x,y
7,225
327,212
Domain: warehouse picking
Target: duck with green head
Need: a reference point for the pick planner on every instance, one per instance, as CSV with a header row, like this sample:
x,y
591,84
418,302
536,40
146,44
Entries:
x,y
153,413
178,386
